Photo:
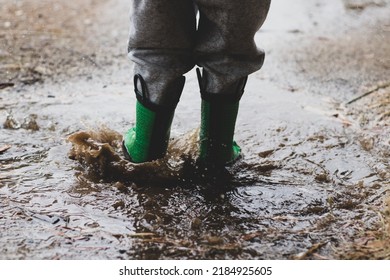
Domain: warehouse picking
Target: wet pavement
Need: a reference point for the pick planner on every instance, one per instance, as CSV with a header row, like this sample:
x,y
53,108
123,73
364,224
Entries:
x,y
313,182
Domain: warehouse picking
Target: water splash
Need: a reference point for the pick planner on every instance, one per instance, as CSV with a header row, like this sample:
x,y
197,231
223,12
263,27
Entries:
x,y
99,152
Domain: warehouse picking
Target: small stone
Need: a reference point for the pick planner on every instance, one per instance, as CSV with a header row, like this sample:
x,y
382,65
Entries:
x,y
196,223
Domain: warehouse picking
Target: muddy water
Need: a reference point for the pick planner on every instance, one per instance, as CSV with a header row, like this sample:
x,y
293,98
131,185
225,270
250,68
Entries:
x,y
311,183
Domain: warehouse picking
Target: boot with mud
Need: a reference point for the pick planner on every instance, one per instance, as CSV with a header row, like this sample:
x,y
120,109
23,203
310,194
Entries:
x,y
148,140
218,119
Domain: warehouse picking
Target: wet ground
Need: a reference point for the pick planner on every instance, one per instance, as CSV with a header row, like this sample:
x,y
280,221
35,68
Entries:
x,y
314,128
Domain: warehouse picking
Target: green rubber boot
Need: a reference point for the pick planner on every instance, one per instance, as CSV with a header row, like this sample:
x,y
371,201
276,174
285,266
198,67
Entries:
x,y
148,140
218,120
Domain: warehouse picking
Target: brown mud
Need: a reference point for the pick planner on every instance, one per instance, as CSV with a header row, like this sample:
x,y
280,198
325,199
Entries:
x,y
313,182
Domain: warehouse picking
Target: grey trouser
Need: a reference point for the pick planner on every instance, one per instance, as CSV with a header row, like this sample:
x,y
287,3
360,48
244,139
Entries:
x,y
166,41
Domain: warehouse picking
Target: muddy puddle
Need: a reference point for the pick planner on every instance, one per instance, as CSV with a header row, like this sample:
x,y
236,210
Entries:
x,y
313,182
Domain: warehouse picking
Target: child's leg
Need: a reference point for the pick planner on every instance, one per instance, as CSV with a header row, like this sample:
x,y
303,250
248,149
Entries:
x,y
225,47
226,50
162,35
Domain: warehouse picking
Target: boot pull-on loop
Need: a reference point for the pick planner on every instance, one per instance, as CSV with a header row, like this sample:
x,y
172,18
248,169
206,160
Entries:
x,y
143,94
205,95
144,98
241,88
199,74
221,97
